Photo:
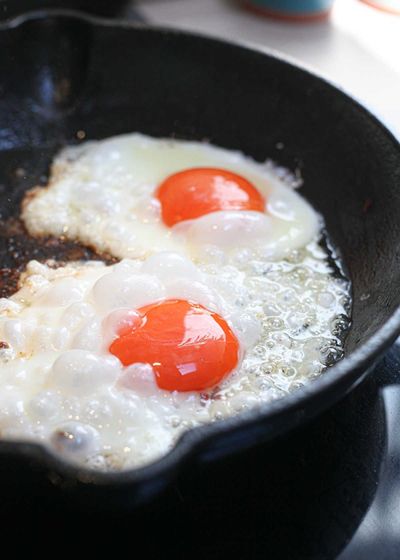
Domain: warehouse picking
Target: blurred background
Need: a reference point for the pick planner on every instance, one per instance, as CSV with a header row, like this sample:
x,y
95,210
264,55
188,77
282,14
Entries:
x,y
355,43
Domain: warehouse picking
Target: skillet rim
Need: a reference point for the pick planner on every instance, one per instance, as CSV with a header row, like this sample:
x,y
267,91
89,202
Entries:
x,y
343,376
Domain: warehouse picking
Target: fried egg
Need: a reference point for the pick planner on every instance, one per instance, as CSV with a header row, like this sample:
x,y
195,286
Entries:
x,y
108,365
133,195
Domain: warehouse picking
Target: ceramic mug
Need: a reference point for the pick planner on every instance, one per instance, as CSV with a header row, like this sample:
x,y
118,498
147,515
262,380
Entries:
x,y
297,10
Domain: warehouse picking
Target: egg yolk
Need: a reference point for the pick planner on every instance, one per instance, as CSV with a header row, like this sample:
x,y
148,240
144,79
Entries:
x,y
189,347
195,192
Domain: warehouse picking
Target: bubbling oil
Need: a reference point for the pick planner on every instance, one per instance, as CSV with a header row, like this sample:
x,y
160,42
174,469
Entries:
x,y
303,304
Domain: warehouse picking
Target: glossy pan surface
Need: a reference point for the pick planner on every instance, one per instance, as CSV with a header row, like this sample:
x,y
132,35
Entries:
x,y
62,73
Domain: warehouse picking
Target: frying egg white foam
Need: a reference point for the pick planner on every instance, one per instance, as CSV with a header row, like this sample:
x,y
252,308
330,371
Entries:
x,y
264,273
61,386
102,194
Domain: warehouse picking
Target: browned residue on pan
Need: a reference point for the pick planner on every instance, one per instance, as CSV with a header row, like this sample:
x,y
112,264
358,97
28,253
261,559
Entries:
x,y
30,195
17,248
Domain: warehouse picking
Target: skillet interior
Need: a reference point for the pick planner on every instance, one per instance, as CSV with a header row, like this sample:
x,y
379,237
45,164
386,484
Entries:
x,y
65,74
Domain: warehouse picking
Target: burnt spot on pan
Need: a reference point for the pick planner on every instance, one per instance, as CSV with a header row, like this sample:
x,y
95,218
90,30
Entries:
x,y
17,248
20,170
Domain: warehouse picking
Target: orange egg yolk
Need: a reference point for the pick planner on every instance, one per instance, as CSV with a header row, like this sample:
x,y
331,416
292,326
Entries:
x,y
189,347
195,192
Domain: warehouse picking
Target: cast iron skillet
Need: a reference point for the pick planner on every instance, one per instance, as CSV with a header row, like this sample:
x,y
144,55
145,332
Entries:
x,y
66,73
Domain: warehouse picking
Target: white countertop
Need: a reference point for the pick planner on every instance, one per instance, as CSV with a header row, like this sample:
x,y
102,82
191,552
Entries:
x,y
358,47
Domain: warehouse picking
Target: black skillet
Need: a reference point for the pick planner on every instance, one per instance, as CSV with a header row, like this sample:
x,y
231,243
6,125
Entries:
x,y
63,73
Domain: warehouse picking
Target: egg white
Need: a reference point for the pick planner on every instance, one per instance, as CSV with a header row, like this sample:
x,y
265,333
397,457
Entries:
x,y
102,194
61,386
